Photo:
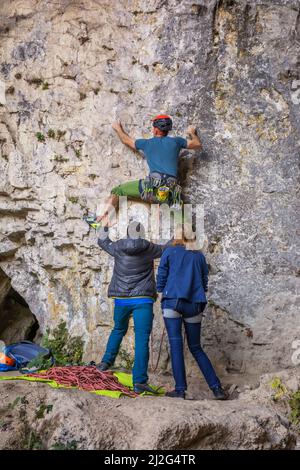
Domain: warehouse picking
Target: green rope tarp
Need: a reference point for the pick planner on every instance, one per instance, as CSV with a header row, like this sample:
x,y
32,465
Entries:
x,y
123,378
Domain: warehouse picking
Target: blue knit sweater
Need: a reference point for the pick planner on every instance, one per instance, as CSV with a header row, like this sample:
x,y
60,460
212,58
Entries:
x,y
182,274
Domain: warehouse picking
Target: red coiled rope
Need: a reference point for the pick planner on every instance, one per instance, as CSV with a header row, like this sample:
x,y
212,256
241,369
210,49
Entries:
x,y
85,378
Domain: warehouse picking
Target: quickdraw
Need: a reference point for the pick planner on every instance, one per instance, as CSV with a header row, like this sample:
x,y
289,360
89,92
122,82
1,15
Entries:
x,y
159,189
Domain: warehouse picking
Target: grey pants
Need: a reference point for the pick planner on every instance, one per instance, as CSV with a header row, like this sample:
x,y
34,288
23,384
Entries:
x,y
170,313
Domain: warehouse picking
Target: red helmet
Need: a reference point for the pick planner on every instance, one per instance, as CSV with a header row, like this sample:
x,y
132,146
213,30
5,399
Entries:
x,y
163,122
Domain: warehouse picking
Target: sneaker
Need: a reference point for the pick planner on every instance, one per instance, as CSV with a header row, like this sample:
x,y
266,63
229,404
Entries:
x,y
219,393
176,394
141,388
92,221
103,366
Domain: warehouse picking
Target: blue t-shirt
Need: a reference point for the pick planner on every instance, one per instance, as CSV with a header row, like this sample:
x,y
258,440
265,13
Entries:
x,y
162,153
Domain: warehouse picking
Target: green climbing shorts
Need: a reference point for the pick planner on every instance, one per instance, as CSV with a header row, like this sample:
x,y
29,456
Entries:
x,y
129,189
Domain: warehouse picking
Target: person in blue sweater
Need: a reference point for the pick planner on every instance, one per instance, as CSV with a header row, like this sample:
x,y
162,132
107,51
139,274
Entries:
x,y
182,279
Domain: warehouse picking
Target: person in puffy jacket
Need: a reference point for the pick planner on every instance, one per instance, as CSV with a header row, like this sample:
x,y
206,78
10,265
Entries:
x,y
133,288
183,279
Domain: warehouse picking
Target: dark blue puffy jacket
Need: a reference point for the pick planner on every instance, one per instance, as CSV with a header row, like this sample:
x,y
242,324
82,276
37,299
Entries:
x,y
133,274
182,274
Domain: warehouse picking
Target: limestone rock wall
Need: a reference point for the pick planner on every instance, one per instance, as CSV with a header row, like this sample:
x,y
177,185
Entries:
x,y
69,68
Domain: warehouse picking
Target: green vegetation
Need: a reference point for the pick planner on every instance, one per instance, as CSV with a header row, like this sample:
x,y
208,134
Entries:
x,y
34,442
56,134
11,406
40,137
51,134
126,358
60,134
60,158
279,388
73,199
35,81
65,348
292,398
29,439
70,445
40,412
76,147
38,82
294,403
40,362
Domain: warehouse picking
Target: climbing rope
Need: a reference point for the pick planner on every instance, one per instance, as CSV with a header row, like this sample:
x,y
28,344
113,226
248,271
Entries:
x,y
85,378
153,368
162,190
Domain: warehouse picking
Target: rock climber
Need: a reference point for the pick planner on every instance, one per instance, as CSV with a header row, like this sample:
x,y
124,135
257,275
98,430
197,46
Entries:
x,y
183,302
162,154
133,289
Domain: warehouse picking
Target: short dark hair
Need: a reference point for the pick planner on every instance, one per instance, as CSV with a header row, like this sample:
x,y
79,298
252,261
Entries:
x,y
162,132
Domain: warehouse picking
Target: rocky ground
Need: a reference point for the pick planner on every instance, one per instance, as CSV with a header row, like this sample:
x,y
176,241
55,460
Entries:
x,y
34,415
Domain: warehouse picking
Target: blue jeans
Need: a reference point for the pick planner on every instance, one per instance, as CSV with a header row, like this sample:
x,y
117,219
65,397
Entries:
x,y
143,319
193,333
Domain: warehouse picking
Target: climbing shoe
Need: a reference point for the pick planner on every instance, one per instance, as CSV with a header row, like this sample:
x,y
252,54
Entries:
x,y
219,393
176,394
91,219
103,366
141,388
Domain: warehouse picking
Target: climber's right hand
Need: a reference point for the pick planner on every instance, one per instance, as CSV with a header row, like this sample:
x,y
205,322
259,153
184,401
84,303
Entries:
x,y
116,125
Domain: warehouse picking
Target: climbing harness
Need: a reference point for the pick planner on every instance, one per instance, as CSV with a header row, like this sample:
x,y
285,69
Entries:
x,y
158,188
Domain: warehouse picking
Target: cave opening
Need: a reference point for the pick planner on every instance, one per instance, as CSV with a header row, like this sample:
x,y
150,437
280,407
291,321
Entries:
x,y
17,322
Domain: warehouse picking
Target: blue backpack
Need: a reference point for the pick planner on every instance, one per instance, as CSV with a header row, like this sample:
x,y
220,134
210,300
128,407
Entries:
x,y
21,354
